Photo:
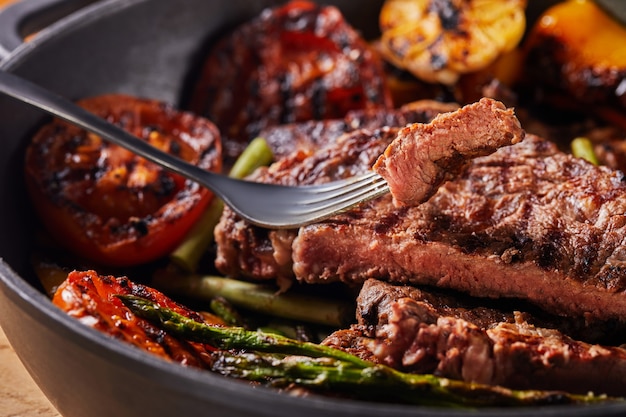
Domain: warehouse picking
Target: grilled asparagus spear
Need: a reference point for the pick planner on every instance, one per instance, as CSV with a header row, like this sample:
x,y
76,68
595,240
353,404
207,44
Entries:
x,y
230,337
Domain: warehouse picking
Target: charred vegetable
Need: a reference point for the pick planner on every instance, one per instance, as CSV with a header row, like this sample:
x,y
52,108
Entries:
x,y
108,205
579,50
438,40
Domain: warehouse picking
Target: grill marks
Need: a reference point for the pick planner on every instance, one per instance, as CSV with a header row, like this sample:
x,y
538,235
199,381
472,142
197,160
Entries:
x,y
307,137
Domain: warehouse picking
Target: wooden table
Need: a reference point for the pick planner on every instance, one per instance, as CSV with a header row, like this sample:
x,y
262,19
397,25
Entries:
x,y
19,395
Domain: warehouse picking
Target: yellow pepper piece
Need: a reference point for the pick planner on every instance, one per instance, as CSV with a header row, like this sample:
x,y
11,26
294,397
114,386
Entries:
x,y
578,48
591,36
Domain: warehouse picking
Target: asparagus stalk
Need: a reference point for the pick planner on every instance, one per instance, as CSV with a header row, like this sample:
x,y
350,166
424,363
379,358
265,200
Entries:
x,y
229,337
257,297
224,310
257,154
188,254
583,148
322,367
379,382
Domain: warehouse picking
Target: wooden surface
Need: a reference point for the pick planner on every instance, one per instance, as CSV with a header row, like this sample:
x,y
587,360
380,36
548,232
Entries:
x,y
19,395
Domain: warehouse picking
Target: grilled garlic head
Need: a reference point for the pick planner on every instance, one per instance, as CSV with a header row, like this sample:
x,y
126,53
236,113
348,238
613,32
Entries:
x,y
438,40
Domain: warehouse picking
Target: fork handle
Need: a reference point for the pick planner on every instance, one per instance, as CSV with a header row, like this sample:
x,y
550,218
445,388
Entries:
x,y
58,106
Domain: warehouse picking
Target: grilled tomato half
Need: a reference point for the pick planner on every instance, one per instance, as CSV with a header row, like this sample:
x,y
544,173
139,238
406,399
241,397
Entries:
x,y
108,205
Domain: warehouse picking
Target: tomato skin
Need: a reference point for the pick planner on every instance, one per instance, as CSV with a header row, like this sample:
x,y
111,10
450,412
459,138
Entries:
x,y
108,205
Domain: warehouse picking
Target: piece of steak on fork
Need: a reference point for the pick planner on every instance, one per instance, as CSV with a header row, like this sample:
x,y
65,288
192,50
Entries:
x,y
425,155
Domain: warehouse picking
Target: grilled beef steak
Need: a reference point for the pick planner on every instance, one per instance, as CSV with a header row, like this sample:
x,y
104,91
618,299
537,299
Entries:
x,y
424,156
311,135
527,222
422,332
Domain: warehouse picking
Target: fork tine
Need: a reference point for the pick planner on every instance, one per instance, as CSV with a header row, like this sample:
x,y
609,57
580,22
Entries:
x,y
347,183
336,189
343,200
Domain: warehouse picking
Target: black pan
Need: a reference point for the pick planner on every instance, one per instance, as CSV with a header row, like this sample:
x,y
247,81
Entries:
x,y
145,48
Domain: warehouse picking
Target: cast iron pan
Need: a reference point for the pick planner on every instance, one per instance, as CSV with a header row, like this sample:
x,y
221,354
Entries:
x,y
146,48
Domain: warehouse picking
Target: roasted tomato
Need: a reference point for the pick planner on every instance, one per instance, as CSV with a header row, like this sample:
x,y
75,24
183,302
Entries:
x,y
296,62
108,205
92,299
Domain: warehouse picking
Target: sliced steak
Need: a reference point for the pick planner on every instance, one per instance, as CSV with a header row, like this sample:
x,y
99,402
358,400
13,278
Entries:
x,y
424,332
425,155
517,355
376,297
311,135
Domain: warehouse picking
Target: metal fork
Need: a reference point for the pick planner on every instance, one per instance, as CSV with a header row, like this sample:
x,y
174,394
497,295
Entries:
x,y
266,205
